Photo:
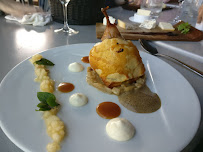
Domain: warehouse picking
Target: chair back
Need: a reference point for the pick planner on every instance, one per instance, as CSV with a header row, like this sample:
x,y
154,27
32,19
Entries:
x,y
80,12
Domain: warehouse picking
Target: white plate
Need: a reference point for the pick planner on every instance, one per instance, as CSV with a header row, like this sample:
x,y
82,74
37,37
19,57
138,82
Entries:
x,y
170,128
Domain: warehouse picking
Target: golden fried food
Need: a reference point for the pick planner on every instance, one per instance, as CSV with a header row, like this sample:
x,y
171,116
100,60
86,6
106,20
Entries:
x,y
115,61
117,68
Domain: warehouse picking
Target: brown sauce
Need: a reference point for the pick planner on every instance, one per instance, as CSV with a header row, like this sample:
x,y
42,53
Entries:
x,y
65,87
108,110
85,59
140,100
136,97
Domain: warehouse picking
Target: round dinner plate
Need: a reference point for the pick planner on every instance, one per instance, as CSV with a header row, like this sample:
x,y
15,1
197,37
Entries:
x,y
169,129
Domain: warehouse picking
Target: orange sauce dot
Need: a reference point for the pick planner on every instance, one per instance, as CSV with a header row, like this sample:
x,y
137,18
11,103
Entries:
x,y
85,59
65,87
108,110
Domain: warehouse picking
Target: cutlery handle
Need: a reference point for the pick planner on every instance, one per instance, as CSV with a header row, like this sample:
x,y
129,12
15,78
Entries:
x,y
183,64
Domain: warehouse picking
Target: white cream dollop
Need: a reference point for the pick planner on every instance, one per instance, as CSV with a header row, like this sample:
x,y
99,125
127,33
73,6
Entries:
x,y
75,67
120,129
78,99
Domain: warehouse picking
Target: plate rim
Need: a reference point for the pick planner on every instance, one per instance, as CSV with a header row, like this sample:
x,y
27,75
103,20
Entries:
x,y
89,45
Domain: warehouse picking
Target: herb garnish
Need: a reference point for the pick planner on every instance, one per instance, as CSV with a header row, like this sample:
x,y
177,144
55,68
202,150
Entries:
x,y
44,61
47,101
184,27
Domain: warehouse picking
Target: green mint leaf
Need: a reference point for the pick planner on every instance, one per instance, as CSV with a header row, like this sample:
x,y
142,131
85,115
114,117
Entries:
x,y
180,27
43,96
51,102
48,101
184,28
44,61
43,109
187,24
42,105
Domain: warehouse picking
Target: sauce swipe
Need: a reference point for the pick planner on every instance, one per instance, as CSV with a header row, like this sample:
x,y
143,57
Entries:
x,y
141,100
85,59
108,110
65,87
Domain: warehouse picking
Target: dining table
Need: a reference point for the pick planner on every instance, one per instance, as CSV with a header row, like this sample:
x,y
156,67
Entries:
x,y
18,42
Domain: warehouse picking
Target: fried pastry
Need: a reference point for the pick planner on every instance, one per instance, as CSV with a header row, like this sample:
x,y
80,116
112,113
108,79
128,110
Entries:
x,y
115,61
117,68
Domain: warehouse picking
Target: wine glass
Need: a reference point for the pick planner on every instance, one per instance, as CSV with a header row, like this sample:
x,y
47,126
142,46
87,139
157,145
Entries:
x,y
177,18
66,27
155,6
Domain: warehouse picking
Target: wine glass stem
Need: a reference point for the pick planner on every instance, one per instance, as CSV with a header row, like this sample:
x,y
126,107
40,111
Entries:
x,y
65,5
177,18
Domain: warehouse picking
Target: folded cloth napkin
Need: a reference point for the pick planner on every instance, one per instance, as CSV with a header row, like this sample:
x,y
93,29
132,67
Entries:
x,y
36,19
199,26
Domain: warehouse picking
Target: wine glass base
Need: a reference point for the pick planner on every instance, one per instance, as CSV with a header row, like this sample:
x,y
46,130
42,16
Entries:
x,y
175,21
154,17
69,31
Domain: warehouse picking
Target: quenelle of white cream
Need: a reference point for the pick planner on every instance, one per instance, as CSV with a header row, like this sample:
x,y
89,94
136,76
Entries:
x,y
78,99
75,67
120,129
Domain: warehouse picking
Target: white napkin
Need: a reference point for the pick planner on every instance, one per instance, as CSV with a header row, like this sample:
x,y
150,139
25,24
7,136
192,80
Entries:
x,y
199,26
36,19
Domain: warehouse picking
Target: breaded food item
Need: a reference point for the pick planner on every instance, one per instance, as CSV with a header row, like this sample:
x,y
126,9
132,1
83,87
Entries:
x,y
94,80
115,61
